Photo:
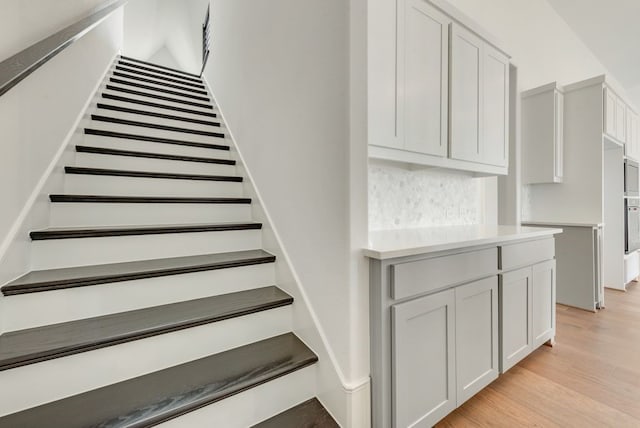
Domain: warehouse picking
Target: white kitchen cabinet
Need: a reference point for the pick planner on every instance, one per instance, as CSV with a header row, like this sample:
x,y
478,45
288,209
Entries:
x,y
423,76
515,316
615,124
632,146
479,100
476,337
543,302
543,135
424,360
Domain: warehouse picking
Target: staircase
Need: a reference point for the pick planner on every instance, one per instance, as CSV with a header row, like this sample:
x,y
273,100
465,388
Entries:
x,y
151,301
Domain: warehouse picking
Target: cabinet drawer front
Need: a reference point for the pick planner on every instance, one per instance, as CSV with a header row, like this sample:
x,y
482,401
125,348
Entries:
x,y
423,276
526,253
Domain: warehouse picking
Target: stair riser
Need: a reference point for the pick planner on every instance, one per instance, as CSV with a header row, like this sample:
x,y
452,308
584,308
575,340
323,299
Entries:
x,y
150,132
81,184
161,110
52,307
59,253
157,120
92,160
105,214
253,406
172,100
152,147
157,85
36,384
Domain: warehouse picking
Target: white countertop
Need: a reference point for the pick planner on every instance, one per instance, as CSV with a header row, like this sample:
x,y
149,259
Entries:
x,y
562,223
387,244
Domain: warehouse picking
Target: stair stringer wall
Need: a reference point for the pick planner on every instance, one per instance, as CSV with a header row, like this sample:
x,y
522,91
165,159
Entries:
x,y
15,246
331,389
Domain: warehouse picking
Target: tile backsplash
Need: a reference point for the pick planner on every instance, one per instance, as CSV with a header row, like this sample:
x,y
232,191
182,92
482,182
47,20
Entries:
x,y
405,198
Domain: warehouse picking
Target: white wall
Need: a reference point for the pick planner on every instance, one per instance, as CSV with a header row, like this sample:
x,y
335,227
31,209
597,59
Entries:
x,y
280,72
37,118
175,25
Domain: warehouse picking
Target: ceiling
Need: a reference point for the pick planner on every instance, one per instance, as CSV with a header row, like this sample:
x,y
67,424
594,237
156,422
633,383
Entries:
x,y
611,29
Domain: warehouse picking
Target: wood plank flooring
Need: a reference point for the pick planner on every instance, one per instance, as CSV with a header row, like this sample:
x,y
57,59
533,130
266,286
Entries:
x,y
591,378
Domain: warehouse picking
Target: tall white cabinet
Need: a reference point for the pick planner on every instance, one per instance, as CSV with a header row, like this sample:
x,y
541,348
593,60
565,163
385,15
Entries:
x,y
445,103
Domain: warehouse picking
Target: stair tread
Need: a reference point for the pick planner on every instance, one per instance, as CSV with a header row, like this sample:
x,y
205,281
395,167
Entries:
x,y
128,58
113,199
120,74
107,231
150,155
158,89
101,118
148,174
310,414
115,97
120,67
156,397
125,135
157,96
155,114
54,279
23,347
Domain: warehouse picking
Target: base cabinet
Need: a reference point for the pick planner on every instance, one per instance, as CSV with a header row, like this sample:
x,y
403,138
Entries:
x,y
527,311
424,360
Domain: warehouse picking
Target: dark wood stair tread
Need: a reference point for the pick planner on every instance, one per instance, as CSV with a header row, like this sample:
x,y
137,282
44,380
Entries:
x,y
157,71
113,199
147,174
148,155
126,135
148,400
139,78
115,97
162,127
310,414
157,96
158,89
128,58
57,279
101,232
120,67
155,114
23,347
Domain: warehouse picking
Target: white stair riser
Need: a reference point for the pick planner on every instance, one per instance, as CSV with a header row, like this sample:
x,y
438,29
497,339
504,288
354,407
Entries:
x,y
192,104
39,383
254,405
153,147
82,184
53,307
131,163
97,214
157,120
178,95
161,110
150,132
150,68
59,253
157,84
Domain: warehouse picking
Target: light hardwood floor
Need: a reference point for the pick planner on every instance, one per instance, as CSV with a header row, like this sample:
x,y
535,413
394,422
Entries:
x,y
590,378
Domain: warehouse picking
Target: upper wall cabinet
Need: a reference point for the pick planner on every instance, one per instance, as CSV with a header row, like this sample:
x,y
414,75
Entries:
x,y
615,124
479,100
632,146
446,102
423,75
542,134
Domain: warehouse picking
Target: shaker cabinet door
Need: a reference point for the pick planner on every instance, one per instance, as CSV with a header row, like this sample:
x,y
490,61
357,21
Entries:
x,y
495,107
466,95
515,317
543,301
476,337
423,77
423,355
